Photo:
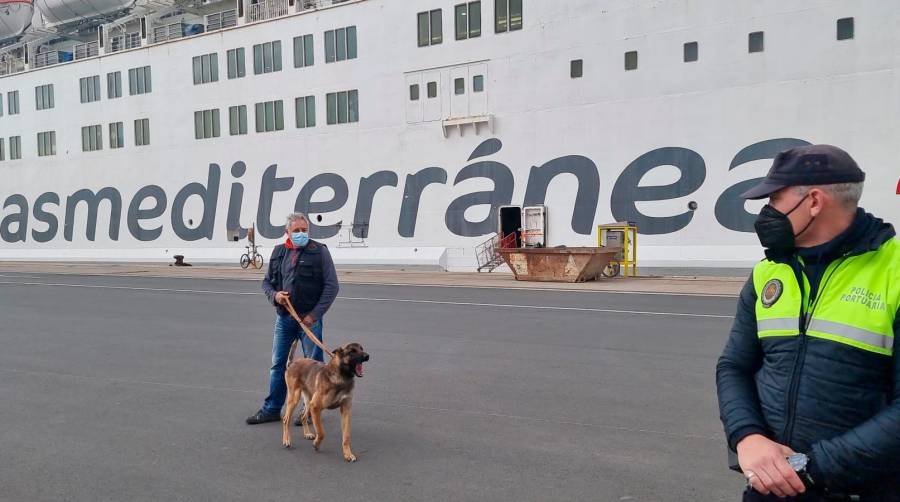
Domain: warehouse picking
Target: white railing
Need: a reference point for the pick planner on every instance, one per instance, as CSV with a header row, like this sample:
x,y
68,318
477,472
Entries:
x,y
87,50
123,42
11,64
220,20
46,59
172,31
267,9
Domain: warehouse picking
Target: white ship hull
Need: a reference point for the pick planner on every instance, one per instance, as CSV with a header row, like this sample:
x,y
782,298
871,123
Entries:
x,y
610,136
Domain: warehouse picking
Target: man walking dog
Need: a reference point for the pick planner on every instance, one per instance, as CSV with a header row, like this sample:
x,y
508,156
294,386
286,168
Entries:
x,y
300,270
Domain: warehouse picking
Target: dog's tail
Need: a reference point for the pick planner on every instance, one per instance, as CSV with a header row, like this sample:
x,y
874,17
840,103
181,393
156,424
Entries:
x,y
291,353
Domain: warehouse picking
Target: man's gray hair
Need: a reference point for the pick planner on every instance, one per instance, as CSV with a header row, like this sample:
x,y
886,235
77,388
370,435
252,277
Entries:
x,y
848,194
296,217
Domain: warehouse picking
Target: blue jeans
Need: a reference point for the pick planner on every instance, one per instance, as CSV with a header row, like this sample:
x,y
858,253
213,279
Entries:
x,y
286,331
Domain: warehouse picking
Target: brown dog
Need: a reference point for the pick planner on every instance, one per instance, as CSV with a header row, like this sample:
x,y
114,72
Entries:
x,y
323,386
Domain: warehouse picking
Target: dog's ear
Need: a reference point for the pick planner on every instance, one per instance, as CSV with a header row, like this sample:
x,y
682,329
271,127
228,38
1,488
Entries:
x,y
338,352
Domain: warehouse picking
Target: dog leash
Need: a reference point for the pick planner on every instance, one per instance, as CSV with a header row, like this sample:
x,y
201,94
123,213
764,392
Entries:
x,y
309,333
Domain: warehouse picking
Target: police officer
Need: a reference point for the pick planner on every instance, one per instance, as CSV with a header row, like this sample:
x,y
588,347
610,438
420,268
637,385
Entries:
x,y
809,380
300,270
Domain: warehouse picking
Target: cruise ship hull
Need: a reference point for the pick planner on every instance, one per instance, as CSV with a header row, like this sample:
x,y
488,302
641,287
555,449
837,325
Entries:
x,y
668,146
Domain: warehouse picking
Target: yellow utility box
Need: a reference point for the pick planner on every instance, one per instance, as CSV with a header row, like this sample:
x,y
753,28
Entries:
x,y
622,235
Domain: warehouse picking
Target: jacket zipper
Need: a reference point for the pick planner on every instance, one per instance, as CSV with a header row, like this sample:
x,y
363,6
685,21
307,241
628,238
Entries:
x,y
805,319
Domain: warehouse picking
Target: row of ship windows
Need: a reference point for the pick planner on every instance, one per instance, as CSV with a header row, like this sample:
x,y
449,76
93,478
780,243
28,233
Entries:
x,y
341,108
507,17
755,43
340,45
139,82
91,139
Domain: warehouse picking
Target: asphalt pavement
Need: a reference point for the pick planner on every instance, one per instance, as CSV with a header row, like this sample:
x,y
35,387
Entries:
x,y
136,388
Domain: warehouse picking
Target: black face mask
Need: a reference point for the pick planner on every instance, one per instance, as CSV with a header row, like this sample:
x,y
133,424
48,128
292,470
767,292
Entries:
x,y
774,229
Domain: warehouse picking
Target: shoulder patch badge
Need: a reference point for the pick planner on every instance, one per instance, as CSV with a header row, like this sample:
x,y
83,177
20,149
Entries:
x,y
771,292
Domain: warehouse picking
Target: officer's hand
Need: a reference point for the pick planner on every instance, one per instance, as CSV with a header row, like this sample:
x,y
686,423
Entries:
x,y
309,320
764,462
281,297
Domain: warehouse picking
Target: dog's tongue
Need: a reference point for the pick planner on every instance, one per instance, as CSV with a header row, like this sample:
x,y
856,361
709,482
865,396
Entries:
x,y
359,369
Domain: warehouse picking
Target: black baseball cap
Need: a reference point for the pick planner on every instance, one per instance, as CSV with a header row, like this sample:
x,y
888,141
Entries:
x,y
807,165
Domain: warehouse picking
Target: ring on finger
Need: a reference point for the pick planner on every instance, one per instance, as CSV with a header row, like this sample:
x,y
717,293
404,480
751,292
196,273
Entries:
x,y
750,476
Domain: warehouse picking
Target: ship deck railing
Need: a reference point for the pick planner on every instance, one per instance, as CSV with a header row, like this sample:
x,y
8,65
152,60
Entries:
x,y
168,32
87,50
11,64
267,9
124,42
45,59
221,20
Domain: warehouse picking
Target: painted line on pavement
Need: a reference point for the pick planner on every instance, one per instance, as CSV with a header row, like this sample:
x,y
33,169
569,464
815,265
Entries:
x,y
397,300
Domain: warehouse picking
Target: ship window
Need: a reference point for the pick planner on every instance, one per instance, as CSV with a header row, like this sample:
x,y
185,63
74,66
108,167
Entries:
x,y
2,156
206,68
237,120
15,147
340,44
478,83
845,28
342,111
430,28
206,124
142,132
353,105
43,97
351,42
432,89
414,92
468,20
270,116
46,143
116,135
459,86
90,89
13,99
576,68
303,51
691,52
236,67
305,111
91,138
755,42
114,85
267,57
631,60
342,107
507,15
139,81
329,46
1,104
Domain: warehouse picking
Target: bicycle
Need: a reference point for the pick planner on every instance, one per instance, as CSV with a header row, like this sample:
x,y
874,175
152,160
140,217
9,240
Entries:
x,y
252,257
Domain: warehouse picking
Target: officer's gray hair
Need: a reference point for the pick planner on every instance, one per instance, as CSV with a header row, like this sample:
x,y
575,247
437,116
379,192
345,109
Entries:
x,y
295,217
848,194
